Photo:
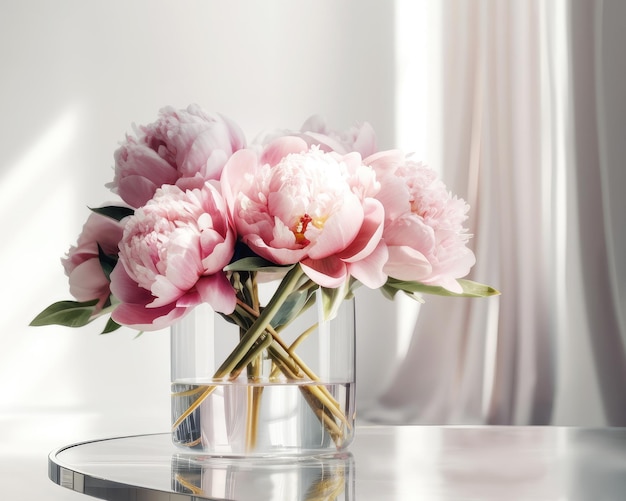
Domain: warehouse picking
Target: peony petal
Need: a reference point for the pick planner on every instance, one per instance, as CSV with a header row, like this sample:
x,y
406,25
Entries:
x,y
406,263
191,183
329,272
99,230
370,233
236,136
139,159
281,147
164,292
126,289
217,291
339,230
410,231
133,311
394,196
326,143
87,281
365,142
136,190
238,168
274,254
184,263
219,255
385,160
215,164
206,154
370,271
147,319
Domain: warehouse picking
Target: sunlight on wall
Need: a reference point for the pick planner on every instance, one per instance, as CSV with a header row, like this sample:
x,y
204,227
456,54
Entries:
x,y
418,96
24,182
418,88
23,176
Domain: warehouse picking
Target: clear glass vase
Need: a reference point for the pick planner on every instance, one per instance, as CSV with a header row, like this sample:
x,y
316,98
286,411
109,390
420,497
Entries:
x,y
293,393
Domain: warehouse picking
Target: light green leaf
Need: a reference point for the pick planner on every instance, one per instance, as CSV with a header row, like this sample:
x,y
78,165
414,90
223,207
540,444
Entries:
x,y
475,289
333,298
67,313
113,211
256,263
291,308
470,289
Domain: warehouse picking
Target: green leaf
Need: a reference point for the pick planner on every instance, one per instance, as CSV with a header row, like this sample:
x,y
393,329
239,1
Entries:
x,y
113,211
111,326
470,289
107,262
256,263
67,313
291,308
475,289
333,298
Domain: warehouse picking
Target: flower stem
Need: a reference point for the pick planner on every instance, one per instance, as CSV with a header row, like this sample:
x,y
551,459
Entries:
x,y
289,349
255,351
294,345
252,416
263,320
323,399
205,393
296,366
187,484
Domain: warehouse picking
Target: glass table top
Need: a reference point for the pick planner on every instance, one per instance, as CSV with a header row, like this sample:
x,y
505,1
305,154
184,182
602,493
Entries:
x,y
384,463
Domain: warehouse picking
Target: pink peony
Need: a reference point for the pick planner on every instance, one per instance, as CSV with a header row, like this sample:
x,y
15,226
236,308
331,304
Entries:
x,y
184,147
315,132
294,204
424,229
82,264
172,256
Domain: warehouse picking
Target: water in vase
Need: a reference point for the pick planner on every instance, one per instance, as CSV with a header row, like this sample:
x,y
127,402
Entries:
x,y
233,419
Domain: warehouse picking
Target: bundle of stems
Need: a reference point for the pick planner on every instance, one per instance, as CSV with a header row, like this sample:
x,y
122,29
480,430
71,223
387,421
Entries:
x,y
259,329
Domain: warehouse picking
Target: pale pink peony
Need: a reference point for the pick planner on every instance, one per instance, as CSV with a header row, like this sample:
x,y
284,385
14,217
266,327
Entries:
x,y
295,204
172,256
361,139
183,147
424,229
82,264
316,132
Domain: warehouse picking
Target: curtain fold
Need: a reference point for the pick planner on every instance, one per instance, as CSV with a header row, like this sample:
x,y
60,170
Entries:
x,y
593,220
520,143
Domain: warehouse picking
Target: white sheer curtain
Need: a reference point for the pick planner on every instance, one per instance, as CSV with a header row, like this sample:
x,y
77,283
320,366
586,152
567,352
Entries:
x,y
531,118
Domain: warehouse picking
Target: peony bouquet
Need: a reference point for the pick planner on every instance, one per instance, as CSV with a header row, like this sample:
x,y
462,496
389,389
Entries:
x,y
204,216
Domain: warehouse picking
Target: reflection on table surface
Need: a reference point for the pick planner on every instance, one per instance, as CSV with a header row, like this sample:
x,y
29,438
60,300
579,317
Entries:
x,y
384,463
310,479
